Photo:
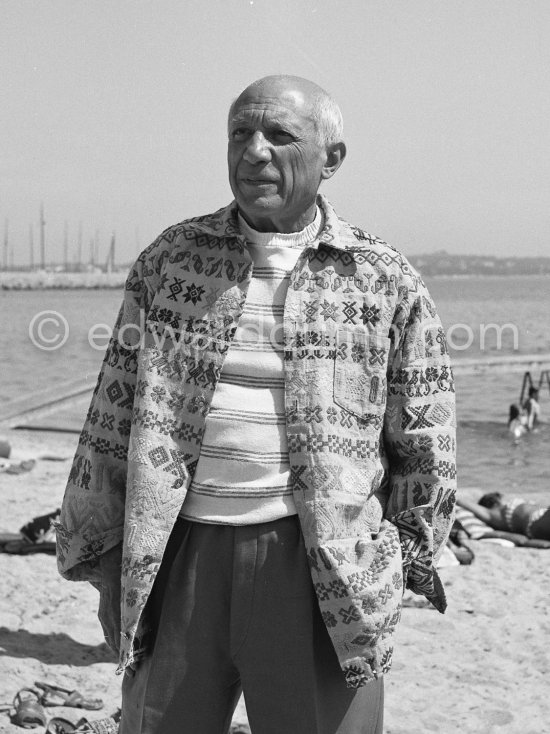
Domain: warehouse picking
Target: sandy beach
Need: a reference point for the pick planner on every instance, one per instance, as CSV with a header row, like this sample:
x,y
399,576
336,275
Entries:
x,y
479,669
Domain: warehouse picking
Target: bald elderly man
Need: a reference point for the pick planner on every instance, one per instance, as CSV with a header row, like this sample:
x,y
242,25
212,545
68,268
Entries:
x,y
269,457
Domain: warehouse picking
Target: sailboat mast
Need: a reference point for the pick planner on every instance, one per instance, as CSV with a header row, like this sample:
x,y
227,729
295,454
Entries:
x,y
42,238
31,247
5,256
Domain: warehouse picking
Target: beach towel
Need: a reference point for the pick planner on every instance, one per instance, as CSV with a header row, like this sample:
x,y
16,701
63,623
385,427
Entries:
x,y
476,529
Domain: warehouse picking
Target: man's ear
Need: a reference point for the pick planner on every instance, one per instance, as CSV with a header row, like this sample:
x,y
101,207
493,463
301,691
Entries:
x,y
336,152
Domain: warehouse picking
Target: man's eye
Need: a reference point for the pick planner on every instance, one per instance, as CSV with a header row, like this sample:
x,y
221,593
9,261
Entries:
x,y
239,133
282,135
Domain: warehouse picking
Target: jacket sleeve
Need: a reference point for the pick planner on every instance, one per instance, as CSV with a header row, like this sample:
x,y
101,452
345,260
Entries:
x,y
92,513
420,441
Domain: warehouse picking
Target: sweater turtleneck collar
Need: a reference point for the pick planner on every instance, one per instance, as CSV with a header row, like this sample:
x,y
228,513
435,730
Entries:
x,y
282,239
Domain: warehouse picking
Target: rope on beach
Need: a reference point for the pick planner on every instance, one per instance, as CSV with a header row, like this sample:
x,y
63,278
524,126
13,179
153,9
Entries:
x,y
45,401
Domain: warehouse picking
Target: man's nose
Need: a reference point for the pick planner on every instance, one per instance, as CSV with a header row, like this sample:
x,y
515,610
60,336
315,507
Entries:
x,y
257,149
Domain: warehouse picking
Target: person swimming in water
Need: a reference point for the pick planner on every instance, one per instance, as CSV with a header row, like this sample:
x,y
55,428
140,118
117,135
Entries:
x,y
513,515
532,408
516,421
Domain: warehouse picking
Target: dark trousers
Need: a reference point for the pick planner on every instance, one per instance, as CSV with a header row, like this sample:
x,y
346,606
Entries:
x,y
234,609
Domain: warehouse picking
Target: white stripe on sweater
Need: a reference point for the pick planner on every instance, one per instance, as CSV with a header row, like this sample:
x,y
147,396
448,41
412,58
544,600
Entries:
x,y
243,473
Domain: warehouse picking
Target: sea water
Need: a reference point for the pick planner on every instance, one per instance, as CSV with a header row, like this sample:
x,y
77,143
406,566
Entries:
x,y
482,317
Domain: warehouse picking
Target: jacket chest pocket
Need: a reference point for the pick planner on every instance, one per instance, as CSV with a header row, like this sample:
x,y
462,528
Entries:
x,y
360,367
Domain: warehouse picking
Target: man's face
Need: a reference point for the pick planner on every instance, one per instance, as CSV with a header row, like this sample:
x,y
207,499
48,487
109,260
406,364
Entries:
x,y
275,160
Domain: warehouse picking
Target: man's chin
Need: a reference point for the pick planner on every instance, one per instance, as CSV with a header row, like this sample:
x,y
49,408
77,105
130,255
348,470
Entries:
x,y
260,214
259,205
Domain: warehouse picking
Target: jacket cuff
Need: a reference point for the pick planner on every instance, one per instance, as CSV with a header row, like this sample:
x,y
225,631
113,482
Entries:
x,y
417,547
78,555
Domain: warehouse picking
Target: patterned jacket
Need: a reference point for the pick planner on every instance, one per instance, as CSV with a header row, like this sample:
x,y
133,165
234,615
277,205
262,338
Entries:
x,y
370,420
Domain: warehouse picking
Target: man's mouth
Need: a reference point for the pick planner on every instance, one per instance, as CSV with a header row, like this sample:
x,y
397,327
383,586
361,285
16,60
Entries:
x,y
259,182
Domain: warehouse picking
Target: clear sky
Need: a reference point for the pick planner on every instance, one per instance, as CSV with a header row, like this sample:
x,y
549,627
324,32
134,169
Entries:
x,y
113,114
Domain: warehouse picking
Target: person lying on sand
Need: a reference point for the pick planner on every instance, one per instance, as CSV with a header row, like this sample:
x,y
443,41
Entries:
x,y
513,515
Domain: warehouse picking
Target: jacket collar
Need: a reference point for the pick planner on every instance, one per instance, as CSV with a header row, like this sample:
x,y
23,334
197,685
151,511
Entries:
x,y
335,232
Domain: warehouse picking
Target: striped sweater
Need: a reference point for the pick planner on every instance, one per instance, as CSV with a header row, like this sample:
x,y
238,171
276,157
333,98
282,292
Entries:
x,y
243,474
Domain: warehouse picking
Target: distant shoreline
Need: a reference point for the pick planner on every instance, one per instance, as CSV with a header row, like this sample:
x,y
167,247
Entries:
x,y
42,280
483,276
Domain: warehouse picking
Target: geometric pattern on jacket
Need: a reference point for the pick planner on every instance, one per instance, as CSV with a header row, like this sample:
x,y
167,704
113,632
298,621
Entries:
x,y
370,422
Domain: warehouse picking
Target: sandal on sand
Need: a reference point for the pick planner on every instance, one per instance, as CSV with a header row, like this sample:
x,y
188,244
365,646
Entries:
x,y
57,696
29,714
21,468
99,726
59,725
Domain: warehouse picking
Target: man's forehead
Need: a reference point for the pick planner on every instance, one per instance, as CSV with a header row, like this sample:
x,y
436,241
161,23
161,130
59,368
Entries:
x,y
290,107
287,96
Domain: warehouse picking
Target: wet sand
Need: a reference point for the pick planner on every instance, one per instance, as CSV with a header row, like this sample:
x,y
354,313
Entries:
x,y
481,668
